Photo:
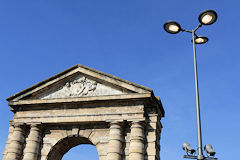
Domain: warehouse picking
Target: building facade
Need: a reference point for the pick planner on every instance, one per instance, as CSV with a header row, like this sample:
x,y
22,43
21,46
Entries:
x,y
84,106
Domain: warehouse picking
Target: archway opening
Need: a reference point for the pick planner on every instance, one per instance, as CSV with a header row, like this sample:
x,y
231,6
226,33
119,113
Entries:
x,y
76,146
82,152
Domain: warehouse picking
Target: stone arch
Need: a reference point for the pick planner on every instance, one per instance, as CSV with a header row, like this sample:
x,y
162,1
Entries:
x,y
84,106
69,136
64,145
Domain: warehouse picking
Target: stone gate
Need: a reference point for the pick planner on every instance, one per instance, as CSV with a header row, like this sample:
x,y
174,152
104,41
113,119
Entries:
x,y
83,106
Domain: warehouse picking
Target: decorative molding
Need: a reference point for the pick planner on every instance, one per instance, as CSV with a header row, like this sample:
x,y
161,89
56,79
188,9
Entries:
x,y
81,87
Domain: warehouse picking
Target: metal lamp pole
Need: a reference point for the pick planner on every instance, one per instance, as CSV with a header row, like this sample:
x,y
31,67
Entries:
x,y
200,155
199,131
205,18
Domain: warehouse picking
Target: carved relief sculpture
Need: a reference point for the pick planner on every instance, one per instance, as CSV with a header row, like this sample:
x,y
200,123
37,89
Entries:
x,y
81,87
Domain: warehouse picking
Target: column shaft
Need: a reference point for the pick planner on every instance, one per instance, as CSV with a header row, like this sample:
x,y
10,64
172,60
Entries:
x,y
32,144
8,141
14,152
115,142
136,147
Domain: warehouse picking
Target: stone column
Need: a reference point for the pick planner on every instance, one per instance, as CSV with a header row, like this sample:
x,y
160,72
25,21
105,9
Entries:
x,y
114,150
32,143
136,147
14,152
8,142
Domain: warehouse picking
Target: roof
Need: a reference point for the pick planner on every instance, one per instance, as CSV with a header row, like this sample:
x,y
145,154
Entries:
x,y
135,90
69,70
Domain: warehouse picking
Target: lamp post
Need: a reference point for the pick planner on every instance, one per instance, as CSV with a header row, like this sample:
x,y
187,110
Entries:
x,y
206,17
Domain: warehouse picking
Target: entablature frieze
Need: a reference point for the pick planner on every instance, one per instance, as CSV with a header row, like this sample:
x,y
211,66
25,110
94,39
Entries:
x,y
93,99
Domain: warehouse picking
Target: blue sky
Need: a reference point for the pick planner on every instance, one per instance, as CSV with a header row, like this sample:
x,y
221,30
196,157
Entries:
x,y
125,38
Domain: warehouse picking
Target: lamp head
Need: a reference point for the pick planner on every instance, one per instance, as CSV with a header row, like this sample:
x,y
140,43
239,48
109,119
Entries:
x,y
186,147
201,39
209,149
172,27
207,17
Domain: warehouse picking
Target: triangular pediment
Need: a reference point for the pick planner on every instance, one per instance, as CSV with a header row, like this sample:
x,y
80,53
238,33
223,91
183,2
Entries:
x,y
80,86
79,81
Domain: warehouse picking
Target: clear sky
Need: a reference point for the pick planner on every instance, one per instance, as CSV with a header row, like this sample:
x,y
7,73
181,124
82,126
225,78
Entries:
x,y
125,38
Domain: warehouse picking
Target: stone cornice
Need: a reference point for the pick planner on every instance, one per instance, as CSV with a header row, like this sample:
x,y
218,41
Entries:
x,y
81,99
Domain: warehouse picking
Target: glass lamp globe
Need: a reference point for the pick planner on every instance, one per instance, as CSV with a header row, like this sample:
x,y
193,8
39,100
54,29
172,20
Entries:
x,y
201,39
172,27
207,17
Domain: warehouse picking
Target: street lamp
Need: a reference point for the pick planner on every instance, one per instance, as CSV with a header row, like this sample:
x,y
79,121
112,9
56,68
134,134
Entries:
x,y
206,17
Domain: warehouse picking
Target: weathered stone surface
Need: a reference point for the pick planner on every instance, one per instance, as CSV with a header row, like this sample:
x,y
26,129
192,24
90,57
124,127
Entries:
x,y
84,106
81,87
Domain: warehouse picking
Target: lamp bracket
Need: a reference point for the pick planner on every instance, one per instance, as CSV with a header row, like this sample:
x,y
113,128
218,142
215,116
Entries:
x,y
200,25
185,30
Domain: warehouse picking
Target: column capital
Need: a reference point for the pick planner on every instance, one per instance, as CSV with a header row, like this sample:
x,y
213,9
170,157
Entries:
x,y
116,123
18,125
138,124
35,124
